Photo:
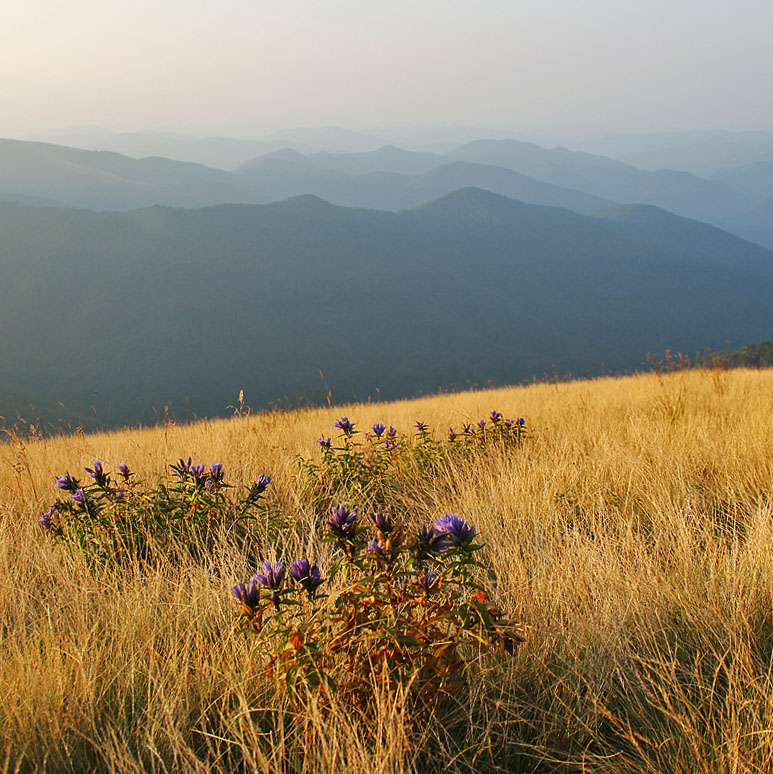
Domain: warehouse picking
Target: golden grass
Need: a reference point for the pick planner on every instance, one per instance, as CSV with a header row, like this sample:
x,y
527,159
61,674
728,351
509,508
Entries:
x,y
632,535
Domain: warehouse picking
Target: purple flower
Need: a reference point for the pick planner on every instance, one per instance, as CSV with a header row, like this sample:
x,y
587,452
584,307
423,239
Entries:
x,y
67,482
429,581
374,547
307,574
198,475
390,445
467,429
509,422
421,427
119,495
325,443
123,469
451,434
45,519
382,523
343,424
482,424
452,531
83,502
248,593
98,474
182,468
343,522
520,421
496,416
257,489
216,472
378,429
391,432
272,578
272,575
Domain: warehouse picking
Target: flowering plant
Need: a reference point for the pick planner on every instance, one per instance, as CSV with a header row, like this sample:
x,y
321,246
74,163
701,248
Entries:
x,y
397,609
374,467
120,518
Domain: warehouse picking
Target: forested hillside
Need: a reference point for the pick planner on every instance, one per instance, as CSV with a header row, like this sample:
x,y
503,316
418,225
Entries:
x,y
128,312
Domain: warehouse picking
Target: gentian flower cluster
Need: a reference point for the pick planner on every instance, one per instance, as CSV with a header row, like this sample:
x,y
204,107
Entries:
x,y
258,488
306,574
67,483
451,531
399,616
272,578
98,474
499,429
343,522
248,594
118,520
344,425
45,519
199,476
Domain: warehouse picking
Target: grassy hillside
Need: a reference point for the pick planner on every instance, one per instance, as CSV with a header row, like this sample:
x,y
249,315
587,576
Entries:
x,y
629,535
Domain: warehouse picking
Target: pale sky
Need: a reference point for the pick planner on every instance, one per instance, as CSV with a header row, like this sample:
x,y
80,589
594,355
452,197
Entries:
x,y
248,66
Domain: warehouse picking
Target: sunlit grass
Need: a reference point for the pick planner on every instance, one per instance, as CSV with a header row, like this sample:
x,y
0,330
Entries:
x,y
630,535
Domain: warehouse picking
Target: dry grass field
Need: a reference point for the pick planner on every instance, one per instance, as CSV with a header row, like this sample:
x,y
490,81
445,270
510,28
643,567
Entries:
x,y
631,535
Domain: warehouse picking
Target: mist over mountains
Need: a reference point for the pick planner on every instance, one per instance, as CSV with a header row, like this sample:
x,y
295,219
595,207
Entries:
x,y
703,153
127,311
387,178
130,284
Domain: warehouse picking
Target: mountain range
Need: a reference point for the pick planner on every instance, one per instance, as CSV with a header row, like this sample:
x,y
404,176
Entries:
x,y
702,153
119,313
387,178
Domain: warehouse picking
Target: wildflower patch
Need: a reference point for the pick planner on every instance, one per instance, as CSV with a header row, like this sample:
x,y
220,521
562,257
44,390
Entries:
x,y
393,610
376,466
119,518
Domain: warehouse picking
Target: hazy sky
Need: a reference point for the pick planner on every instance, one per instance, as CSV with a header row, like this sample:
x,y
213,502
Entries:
x,y
247,66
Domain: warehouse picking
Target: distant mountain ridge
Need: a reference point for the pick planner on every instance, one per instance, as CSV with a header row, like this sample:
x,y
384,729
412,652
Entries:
x,y
679,192
102,180
127,312
387,178
702,153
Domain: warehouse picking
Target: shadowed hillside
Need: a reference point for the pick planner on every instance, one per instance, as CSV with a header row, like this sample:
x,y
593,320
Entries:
x,y
126,312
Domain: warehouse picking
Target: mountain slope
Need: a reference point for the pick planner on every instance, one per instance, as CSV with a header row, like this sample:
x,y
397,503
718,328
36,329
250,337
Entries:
x,y
680,192
755,181
127,311
699,152
108,181
288,173
756,224
42,173
663,228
